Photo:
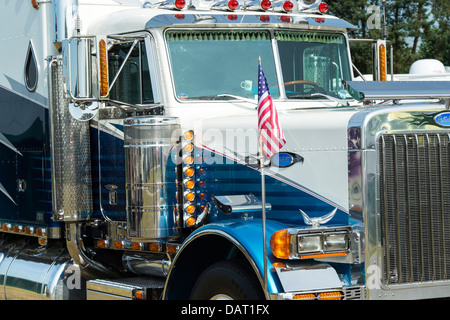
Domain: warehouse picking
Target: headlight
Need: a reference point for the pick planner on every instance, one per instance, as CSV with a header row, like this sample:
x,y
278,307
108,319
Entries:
x,y
336,241
310,243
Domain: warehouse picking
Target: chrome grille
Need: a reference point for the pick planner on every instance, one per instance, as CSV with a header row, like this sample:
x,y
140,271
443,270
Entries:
x,y
414,202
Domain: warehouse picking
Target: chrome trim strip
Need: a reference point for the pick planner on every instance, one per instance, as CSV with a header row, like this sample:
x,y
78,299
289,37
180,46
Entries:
x,y
244,18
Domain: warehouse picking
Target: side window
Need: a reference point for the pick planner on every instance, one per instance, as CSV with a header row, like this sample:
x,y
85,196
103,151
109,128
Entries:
x,y
31,70
133,85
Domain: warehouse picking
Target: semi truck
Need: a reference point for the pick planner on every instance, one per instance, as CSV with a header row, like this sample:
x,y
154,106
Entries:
x,y
130,166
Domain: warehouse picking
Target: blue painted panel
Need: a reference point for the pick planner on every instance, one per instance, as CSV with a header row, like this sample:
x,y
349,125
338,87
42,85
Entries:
x,y
222,178
24,155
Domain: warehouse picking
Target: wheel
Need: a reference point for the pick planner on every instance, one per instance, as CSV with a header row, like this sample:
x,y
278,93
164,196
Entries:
x,y
227,280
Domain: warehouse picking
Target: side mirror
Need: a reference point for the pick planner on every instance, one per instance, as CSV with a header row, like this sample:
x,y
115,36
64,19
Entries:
x,y
82,86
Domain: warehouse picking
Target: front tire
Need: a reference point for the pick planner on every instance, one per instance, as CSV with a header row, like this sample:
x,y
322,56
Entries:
x,y
227,280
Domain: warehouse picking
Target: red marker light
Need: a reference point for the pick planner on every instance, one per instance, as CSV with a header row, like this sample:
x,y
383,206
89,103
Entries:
x,y
288,6
233,4
323,7
266,4
179,4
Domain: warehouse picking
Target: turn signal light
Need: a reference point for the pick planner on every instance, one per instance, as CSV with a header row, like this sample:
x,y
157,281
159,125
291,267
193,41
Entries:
x,y
280,244
103,69
382,61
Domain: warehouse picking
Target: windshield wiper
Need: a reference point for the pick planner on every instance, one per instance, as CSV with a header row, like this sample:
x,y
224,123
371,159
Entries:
x,y
341,101
238,98
223,96
211,97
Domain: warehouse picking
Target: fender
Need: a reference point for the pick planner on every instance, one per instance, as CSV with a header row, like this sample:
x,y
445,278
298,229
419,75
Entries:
x,y
242,234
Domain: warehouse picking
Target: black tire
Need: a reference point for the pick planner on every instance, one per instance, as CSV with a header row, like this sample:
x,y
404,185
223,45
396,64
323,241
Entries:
x,y
227,280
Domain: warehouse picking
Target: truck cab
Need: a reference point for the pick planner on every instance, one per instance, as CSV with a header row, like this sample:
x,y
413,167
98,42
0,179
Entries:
x,y
141,173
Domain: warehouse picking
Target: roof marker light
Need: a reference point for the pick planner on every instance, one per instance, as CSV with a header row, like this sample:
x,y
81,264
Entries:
x,y
323,7
225,5
266,4
288,6
180,4
233,4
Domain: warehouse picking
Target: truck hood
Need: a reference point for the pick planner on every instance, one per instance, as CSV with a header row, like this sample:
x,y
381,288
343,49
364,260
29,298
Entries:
x,y
319,136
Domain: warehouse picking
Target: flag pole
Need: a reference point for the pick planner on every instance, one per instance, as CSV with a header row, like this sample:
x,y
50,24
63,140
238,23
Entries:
x,y
263,200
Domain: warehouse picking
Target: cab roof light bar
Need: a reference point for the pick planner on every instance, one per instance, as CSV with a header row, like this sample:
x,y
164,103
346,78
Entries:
x,y
286,6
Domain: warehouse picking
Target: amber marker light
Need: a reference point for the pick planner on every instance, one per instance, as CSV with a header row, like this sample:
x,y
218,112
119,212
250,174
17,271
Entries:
x,y
382,61
189,172
323,255
35,4
136,245
190,209
190,196
304,296
189,147
140,295
334,295
101,243
188,135
118,244
189,184
172,248
190,221
189,160
104,90
280,244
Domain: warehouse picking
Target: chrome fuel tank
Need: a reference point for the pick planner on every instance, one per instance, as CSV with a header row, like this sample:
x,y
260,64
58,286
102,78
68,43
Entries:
x,y
29,271
148,143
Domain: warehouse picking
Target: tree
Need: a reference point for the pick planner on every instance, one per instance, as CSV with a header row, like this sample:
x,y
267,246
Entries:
x,y
436,40
417,29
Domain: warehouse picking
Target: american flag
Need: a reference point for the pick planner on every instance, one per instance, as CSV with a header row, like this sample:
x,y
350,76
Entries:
x,y
269,128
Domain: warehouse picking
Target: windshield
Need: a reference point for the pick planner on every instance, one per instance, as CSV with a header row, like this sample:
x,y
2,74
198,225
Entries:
x,y
313,62
220,64
206,64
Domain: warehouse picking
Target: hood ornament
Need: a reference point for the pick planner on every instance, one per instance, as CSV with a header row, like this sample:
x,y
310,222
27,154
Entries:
x,y
316,222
